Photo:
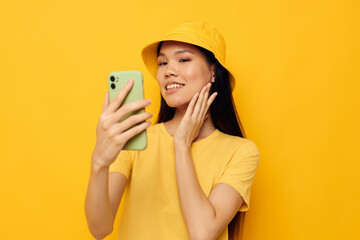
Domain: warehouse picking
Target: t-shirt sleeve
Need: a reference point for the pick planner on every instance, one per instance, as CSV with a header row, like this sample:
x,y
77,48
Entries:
x,y
240,171
123,163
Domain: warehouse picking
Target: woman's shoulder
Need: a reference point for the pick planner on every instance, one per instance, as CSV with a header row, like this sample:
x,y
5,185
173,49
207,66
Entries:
x,y
237,142
157,130
157,127
154,127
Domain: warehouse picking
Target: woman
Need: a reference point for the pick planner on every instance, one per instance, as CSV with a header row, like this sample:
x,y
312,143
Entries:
x,y
197,171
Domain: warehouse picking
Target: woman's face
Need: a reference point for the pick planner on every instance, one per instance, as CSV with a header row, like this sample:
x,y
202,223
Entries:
x,y
182,71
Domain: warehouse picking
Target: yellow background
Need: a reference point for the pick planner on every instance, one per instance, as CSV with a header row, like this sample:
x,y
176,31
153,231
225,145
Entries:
x,y
297,65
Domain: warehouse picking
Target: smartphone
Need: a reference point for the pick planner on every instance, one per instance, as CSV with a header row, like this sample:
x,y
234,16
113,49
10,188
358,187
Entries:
x,y
116,81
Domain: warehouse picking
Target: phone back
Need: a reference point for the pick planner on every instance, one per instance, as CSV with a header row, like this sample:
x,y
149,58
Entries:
x,y
116,81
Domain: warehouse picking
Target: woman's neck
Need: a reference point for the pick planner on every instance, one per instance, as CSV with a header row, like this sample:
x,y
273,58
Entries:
x,y
206,129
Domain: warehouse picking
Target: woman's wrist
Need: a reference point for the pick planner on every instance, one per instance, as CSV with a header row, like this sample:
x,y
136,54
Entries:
x,y
181,145
97,166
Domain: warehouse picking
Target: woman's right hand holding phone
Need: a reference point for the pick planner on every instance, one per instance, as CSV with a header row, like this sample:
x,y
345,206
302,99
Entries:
x,y
111,134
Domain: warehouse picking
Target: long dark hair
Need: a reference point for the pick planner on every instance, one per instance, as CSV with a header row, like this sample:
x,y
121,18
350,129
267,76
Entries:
x,y
224,116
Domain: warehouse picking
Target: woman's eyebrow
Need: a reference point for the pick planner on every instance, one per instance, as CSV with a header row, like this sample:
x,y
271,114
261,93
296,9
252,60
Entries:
x,y
183,51
177,52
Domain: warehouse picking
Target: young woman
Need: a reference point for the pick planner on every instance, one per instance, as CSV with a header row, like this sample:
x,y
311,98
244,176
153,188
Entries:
x,y
197,171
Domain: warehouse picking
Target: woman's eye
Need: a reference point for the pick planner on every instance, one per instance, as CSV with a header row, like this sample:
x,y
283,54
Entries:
x,y
184,60
162,63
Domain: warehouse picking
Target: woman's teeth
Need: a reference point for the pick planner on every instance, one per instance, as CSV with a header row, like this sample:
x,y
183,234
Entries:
x,y
171,86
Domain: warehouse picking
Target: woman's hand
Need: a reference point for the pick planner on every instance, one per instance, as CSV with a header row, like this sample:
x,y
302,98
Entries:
x,y
194,117
111,134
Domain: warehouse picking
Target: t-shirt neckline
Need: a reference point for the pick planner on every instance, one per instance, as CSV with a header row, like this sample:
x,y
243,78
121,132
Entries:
x,y
202,141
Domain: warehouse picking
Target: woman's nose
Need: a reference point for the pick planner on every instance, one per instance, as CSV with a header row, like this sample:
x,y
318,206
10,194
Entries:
x,y
171,69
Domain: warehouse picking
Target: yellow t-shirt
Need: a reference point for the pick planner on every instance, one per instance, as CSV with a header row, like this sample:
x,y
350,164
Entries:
x,y
151,207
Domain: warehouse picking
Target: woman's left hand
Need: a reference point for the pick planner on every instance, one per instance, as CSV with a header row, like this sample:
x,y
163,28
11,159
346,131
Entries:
x,y
194,117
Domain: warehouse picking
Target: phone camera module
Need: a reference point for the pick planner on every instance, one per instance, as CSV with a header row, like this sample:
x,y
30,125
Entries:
x,y
112,78
113,86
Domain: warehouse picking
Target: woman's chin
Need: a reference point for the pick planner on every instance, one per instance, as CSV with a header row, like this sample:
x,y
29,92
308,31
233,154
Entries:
x,y
177,103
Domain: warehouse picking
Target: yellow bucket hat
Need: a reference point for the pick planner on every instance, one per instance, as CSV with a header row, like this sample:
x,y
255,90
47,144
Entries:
x,y
197,33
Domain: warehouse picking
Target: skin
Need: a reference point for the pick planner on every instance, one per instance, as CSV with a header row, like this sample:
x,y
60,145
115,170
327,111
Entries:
x,y
205,217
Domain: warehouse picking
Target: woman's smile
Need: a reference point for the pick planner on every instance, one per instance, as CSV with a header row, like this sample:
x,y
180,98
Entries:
x,y
172,87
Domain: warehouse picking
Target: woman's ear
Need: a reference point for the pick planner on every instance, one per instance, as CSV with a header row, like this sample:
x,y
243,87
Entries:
x,y
212,72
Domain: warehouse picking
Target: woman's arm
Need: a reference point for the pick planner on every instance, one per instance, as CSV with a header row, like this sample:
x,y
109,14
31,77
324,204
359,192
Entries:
x,y
103,197
205,217
105,190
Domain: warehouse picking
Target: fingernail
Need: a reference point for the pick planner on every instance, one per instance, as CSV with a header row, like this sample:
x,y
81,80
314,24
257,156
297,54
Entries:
x,y
130,81
148,101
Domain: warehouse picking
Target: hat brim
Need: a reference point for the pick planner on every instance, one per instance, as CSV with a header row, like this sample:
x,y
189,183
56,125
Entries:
x,y
149,54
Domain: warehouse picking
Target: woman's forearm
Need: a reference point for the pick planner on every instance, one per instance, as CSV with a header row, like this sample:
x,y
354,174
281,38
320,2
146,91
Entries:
x,y
98,209
197,210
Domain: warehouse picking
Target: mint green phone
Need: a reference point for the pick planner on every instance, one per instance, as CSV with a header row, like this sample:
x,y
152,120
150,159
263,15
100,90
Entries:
x,y
116,81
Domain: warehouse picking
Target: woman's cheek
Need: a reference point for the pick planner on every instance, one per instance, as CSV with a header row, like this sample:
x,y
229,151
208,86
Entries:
x,y
158,75
190,73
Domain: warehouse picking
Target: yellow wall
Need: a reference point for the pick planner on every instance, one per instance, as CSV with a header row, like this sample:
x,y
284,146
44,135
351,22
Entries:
x,y
297,68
